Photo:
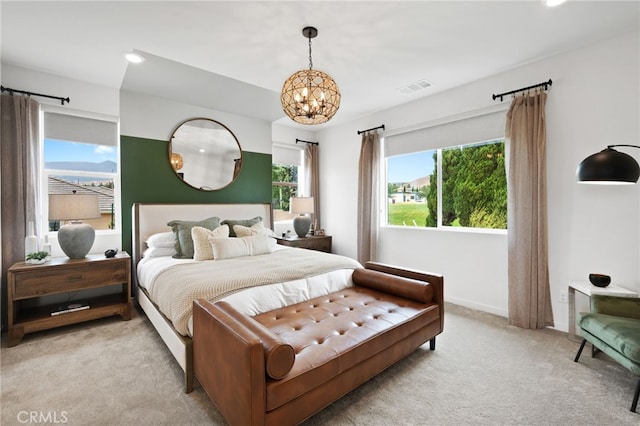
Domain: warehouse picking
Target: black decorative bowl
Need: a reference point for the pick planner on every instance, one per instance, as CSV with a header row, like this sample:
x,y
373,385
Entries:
x,y
600,280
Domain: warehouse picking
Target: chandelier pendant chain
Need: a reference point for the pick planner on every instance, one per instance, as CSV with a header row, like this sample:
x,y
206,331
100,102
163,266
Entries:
x,y
310,60
310,113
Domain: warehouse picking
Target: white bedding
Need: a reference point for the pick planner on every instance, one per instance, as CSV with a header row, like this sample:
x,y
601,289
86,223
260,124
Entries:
x,y
252,300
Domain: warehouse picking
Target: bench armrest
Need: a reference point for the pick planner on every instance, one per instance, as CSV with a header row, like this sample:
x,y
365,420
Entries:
x,y
628,307
407,288
436,281
228,361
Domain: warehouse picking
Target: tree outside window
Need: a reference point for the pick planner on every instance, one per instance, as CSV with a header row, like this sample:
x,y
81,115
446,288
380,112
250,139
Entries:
x,y
284,185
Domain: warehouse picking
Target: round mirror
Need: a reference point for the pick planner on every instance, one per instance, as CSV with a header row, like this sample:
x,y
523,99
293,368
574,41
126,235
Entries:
x,y
205,154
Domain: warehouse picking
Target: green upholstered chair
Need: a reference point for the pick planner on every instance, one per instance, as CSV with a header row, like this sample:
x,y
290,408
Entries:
x,y
613,327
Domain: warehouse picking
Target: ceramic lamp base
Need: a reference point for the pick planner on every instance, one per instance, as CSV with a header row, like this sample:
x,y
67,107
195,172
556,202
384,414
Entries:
x,y
301,224
76,239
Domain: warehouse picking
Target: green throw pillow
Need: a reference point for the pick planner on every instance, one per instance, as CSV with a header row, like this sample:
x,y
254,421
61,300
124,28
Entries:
x,y
182,231
243,222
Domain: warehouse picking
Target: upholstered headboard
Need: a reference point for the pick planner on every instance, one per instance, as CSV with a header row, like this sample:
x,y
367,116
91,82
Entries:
x,y
148,219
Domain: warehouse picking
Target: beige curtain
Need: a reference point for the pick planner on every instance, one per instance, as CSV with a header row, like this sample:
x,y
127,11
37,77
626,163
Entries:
x,y
368,197
19,189
529,297
237,165
312,179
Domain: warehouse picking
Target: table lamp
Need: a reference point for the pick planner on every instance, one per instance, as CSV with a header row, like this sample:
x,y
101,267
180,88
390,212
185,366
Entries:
x,y
302,206
75,238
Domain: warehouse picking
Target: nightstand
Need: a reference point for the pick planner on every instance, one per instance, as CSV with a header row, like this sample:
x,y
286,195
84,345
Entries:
x,y
311,242
84,286
588,290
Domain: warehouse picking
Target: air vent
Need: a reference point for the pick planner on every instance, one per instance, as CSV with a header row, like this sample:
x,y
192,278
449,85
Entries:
x,y
414,87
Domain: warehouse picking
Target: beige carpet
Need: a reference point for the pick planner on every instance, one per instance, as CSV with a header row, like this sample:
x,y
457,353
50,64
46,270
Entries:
x,y
483,372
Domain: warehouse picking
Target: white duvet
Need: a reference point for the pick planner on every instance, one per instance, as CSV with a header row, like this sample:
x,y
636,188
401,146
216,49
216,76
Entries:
x,y
302,281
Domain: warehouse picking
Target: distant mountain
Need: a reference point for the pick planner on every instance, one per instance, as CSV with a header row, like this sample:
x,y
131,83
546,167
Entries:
x,y
420,182
104,167
416,183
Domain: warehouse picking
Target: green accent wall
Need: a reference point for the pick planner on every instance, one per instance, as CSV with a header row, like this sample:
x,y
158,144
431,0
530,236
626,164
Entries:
x,y
147,177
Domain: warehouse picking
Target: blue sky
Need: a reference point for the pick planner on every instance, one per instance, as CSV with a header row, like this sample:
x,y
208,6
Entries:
x,y
55,150
408,167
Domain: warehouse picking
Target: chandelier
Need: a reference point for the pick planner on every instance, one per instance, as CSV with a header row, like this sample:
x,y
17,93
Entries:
x,y
176,161
310,96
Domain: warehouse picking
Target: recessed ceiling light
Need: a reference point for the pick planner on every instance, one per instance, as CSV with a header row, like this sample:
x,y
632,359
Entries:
x,y
553,3
134,57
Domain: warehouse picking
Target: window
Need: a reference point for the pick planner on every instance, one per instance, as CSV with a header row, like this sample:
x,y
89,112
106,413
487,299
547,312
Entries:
x,y
81,154
408,183
285,172
462,185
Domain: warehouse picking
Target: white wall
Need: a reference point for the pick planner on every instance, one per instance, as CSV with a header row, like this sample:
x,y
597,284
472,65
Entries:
x,y
593,102
283,134
151,117
84,96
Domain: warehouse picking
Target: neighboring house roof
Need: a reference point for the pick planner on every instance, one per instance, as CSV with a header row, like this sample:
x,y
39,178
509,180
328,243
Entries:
x,y
61,186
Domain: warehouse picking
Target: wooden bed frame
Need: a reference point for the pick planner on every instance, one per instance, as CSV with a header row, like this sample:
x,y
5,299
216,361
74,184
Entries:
x,y
148,219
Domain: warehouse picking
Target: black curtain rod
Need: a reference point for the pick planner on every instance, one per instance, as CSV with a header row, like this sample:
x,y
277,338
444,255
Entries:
x,y
373,128
312,143
12,91
545,85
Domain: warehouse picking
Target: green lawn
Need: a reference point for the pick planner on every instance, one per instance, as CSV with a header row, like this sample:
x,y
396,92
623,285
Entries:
x,y
404,214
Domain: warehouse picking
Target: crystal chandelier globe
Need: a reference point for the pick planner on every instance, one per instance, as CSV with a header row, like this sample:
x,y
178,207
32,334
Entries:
x,y
176,161
310,96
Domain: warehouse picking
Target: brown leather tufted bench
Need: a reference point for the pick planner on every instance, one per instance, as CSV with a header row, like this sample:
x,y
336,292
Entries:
x,y
282,366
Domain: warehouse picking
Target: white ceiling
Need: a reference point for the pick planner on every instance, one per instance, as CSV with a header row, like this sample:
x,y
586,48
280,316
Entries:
x,y
371,48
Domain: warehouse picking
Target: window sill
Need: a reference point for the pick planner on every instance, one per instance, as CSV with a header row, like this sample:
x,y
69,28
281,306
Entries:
x,y
450,229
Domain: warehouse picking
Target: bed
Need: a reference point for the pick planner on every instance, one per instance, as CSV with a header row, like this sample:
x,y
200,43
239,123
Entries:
x,y
267,279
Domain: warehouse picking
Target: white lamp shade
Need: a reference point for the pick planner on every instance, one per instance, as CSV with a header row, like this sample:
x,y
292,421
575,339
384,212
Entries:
x,y
73,206
302,205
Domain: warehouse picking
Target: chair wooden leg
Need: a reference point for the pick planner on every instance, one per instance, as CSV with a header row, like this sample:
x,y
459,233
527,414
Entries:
x,y
584,341
634,404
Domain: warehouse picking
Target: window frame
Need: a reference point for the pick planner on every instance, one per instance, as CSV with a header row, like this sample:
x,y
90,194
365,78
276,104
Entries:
x,y
384,209
44,172
301,174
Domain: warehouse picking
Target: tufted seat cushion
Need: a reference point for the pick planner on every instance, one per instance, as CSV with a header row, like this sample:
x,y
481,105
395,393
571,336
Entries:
x,y
330,334
620,333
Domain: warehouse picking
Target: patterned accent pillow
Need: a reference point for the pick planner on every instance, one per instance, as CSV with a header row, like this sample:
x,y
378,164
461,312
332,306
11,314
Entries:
x,y
257,229
241,222
201,246
182,231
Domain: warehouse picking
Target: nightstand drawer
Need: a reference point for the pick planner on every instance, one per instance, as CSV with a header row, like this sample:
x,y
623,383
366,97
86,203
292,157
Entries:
x,y
68,278
312,242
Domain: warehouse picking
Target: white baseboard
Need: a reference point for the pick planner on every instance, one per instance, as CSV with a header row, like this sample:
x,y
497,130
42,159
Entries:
x,y
477,306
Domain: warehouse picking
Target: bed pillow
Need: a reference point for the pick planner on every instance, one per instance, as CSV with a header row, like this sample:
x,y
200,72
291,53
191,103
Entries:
x,y
159,251
182,231
201,246
241,222
162,239
257,229
228,248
